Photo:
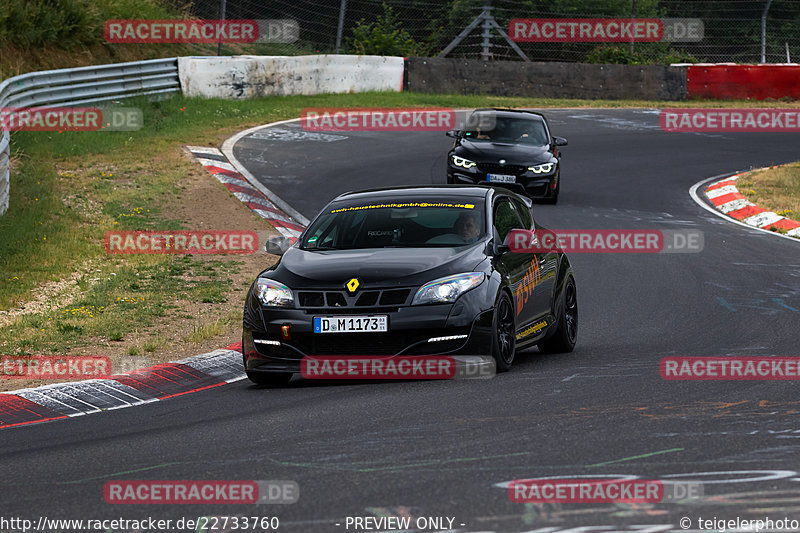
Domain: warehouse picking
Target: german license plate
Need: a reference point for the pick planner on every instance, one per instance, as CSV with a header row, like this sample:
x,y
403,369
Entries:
x,y
501,178
350,324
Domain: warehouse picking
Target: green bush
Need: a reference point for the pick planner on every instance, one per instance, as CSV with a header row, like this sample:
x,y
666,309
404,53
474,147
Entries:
x,y
68,23
384,37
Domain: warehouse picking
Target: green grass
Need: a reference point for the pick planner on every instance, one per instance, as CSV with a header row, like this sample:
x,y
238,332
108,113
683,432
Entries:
x,y
775,189
134,351
153,344
213,329
133,299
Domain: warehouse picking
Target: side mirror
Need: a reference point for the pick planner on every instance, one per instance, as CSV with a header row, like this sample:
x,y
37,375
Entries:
x,y
453,133
278,245
559,141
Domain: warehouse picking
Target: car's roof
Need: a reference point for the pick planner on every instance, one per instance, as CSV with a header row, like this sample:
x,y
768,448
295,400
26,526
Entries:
x,y
512,113
425,191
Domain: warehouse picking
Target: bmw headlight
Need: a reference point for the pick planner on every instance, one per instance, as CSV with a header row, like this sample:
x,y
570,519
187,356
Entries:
x,y
463,163
274,294
447,289
542,168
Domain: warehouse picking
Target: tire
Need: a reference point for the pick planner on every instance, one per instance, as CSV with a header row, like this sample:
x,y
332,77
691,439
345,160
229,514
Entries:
x,y
504,334
270,379
563,341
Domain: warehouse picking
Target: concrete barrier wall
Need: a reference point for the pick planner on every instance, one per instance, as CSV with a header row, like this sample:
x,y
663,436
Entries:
x,y
254,76
743,82
545,80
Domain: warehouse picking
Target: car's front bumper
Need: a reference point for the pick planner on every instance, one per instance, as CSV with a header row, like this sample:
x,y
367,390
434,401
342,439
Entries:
x,y
534,186
267,349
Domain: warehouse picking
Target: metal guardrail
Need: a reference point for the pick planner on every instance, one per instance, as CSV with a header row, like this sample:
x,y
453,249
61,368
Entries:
x,y
79,86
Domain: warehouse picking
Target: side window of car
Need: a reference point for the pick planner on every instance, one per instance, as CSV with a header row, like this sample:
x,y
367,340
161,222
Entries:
x,y
505,219
524,214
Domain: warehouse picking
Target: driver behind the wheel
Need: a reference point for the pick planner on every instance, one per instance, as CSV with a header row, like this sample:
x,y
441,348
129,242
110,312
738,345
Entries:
x,y
467,226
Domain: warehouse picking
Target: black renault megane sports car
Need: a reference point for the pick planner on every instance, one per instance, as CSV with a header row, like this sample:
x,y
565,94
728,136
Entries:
x,y
509,147
415,271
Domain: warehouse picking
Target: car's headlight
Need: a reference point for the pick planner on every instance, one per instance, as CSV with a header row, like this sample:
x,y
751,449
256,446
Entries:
x,y
463,163
274,294
542,168
447,289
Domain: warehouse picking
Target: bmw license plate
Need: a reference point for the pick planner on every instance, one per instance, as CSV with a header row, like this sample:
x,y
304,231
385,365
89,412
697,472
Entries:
x,y
501,178
350,324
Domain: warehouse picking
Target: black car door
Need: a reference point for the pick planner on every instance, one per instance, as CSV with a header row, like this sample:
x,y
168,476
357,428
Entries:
x,y
516,266
544,269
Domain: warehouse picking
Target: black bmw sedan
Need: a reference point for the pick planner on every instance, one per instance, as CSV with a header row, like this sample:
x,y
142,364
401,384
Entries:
x,y
508,147
414,271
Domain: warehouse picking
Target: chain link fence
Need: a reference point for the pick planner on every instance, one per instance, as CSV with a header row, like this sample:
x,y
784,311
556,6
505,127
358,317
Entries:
x,y
732,28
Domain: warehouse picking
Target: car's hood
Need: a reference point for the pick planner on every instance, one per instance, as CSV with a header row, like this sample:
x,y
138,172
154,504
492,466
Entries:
x,y
374,267
514,154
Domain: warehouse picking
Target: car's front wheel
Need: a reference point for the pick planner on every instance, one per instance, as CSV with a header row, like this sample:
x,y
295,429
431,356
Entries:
x,y
270,379
563,341
504,340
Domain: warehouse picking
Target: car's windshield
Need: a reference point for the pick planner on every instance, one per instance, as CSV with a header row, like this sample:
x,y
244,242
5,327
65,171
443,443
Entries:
x,y
524,130
399,223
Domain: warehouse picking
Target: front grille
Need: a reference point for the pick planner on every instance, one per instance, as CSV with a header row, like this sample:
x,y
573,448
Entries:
x,y
350,310
336,301
311,299
396,297
497,168
368,298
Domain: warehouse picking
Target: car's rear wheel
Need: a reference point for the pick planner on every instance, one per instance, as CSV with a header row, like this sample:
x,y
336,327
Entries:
x,y
563,341
504,333
270,379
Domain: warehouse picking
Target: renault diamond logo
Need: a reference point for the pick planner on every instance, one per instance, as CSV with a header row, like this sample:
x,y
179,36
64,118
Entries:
x,y
352,285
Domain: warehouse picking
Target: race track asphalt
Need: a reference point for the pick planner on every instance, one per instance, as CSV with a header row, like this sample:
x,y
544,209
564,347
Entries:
x,y
441,448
